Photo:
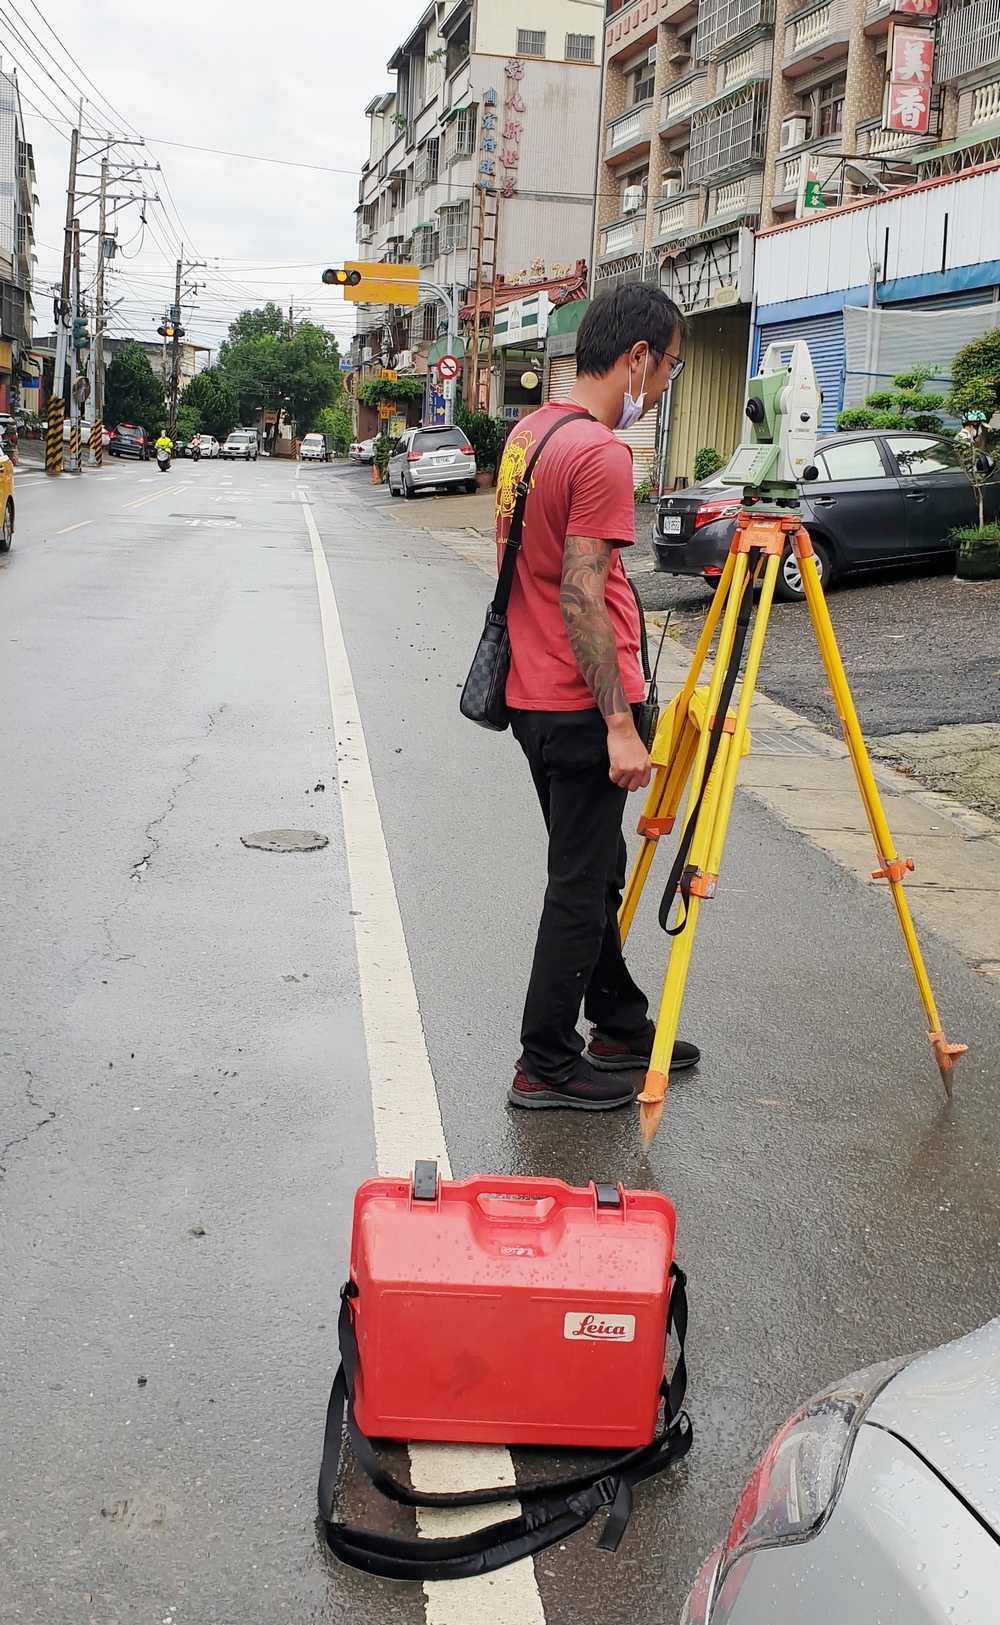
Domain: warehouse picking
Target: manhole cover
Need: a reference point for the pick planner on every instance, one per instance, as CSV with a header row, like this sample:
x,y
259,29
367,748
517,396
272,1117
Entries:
x,y
776,742
286,840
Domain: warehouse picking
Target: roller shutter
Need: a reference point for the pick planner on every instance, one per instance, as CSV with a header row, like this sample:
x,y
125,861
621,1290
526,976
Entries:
x,y
825,338
562,376
642,439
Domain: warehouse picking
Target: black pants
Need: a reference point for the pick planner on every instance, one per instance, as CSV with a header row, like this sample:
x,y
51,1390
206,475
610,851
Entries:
x,y
578,954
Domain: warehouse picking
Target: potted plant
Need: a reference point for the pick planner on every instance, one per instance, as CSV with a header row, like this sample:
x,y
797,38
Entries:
x,y
978,556
486,437
380,458
706,463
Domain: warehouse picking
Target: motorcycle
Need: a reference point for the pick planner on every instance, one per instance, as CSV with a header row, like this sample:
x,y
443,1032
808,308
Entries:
x,y
163,459
195,454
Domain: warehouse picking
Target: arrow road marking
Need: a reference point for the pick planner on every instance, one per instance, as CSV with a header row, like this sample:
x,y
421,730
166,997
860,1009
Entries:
x,y
408,1118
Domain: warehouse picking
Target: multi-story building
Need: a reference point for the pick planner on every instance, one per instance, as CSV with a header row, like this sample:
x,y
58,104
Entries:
x,y
721,117
17,207
481,168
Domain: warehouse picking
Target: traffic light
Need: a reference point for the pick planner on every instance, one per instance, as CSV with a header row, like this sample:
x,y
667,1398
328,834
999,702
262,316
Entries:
x,y
367,283
170,331
81,338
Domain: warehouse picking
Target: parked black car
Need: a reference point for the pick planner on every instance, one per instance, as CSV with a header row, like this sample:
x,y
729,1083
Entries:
x,y
128,440
888,497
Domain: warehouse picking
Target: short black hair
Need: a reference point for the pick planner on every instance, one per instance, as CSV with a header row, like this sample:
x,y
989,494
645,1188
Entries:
x,y
633,314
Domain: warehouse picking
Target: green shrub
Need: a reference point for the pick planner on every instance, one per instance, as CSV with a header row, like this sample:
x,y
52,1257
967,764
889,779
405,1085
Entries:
x,y
977,363
381,449
906,406
376,390
486,436
644,490
706,463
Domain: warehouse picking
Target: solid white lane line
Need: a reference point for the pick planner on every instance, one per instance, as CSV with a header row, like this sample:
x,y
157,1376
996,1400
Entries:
x,y
407,1115
78,526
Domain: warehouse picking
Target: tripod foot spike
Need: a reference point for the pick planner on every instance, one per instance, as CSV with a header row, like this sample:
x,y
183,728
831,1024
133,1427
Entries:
x,y
946,1055
651,1104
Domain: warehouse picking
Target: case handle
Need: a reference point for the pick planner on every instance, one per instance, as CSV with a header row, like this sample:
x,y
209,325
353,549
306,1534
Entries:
x,y
516,1210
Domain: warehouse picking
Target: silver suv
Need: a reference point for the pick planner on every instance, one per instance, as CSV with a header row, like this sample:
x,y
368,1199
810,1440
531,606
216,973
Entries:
x,y
432,455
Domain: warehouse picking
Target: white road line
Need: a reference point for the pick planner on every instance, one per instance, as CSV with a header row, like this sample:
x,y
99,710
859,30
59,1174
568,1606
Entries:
x,y
78,526
407,1115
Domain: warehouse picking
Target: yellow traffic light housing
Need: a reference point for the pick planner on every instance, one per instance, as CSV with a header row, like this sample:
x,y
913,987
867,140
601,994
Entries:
x,y
366,283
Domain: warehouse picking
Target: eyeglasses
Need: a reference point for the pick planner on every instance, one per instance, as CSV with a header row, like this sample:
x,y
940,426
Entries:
x,y
675,371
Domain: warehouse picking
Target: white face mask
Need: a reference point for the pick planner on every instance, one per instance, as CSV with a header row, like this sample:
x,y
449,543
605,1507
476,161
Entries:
x,y
632,409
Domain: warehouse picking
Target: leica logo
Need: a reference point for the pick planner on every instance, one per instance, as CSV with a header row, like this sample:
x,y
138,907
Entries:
x,y
600,1328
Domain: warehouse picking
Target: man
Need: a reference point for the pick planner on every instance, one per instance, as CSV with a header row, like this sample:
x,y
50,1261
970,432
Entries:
x,y
575,675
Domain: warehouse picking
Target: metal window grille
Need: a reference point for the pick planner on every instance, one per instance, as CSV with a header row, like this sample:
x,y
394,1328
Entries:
x,y
425,168
430,321
579,47
454,231
722,22
530,42
724,136
425,245
968,38
460,136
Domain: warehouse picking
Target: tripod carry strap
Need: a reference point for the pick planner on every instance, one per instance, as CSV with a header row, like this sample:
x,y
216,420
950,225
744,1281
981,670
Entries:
x,y
551,1511
682,873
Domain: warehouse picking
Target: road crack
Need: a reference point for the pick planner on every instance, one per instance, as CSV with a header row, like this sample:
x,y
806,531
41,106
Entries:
x,y
140,867
36,1106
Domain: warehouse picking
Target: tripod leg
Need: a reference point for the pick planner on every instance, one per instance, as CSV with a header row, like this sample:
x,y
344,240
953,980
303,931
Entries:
x,y
891,866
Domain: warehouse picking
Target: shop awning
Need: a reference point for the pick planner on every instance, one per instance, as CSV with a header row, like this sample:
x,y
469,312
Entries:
x,y
975,138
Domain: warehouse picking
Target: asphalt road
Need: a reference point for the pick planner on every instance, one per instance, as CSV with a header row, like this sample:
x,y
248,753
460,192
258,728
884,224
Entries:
x,y
922,650
185,1109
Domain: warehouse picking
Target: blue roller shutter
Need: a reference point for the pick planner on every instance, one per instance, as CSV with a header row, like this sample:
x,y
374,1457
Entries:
x,y
825,338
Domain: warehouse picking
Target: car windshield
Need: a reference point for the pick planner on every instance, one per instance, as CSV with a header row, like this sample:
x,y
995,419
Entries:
x,y
438,440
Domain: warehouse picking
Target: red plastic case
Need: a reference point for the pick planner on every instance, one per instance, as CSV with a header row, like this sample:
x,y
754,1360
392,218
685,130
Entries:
x,y
511,1311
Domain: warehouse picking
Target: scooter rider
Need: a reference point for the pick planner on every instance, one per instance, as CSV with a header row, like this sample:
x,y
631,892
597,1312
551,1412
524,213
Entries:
x,y
163,449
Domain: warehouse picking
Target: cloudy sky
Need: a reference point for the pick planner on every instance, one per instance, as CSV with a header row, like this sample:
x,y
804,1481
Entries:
x,y
282,81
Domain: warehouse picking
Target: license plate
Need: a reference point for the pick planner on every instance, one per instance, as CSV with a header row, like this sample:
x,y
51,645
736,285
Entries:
x,y
441,458
670,524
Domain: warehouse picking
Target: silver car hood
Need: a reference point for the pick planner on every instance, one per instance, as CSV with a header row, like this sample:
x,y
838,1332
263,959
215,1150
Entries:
x,y
947,1406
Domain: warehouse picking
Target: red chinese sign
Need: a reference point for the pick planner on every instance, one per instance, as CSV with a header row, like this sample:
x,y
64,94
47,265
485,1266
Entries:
x,y
922,8
911,75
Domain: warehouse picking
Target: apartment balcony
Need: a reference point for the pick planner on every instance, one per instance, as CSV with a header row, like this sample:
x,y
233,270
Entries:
x,y
722,22
880,13
968,39
629,133
729,133
676,217
874,142
984,107
815,36
679,101
634,22
623,236
736,200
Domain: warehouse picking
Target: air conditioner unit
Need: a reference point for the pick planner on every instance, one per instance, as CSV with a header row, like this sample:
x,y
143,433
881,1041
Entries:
x,y
651,57
366,355
793,132
404,360
632,199
672,187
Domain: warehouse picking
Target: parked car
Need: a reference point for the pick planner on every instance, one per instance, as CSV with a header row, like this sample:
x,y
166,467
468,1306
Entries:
x,y
362,451
128,440
890,497
241,443
8,431
433,455
876,1503
313,448
6,502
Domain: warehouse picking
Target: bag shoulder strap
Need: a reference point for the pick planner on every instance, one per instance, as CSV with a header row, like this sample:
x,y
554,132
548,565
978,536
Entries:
x,y
512,546
551,1510
643,638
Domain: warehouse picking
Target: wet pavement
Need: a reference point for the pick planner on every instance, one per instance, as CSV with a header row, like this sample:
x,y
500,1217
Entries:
x,y
185,1109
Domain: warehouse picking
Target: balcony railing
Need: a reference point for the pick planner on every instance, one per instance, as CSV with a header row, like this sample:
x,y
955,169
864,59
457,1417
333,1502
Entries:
x,y
968,38
630,129
729,132
722,22
618,238
788,174
811,28
677,216
677,105
822,23
986,104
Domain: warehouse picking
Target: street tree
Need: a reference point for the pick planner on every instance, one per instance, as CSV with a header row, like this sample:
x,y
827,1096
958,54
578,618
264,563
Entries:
x,y
212,397
266,322
294,372
133,393
335,421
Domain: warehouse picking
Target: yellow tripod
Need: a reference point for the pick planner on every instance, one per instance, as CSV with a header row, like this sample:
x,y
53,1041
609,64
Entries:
x,y
701,739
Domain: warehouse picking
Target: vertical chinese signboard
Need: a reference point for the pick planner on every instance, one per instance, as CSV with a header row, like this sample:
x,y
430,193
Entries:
x,y
514,110
910,64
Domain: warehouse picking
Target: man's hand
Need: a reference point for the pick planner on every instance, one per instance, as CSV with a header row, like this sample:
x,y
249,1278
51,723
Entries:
x,y
630,764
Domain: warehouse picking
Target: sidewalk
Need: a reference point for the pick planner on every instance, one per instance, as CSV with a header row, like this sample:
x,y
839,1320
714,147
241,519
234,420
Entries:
x,y
805,777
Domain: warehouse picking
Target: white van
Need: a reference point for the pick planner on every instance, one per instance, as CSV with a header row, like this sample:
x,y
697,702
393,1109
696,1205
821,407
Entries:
x,y
241,443
313,448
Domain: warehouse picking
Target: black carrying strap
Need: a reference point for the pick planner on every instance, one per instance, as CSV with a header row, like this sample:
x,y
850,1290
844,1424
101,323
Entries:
x,y
512,546
551,1511
682,873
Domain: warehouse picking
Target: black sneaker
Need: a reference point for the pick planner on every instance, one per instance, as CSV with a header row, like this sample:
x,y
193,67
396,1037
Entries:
x,y
585,1092
624,1054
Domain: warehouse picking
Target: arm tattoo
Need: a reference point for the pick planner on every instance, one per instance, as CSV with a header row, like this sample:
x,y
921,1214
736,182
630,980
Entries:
x,y
586,563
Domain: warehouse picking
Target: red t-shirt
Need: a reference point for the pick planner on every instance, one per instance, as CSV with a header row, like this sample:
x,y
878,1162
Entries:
x,y
581,486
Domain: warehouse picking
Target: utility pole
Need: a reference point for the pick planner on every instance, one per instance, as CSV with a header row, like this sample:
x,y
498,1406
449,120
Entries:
x,y
77,394
97,343
175,348
54,434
